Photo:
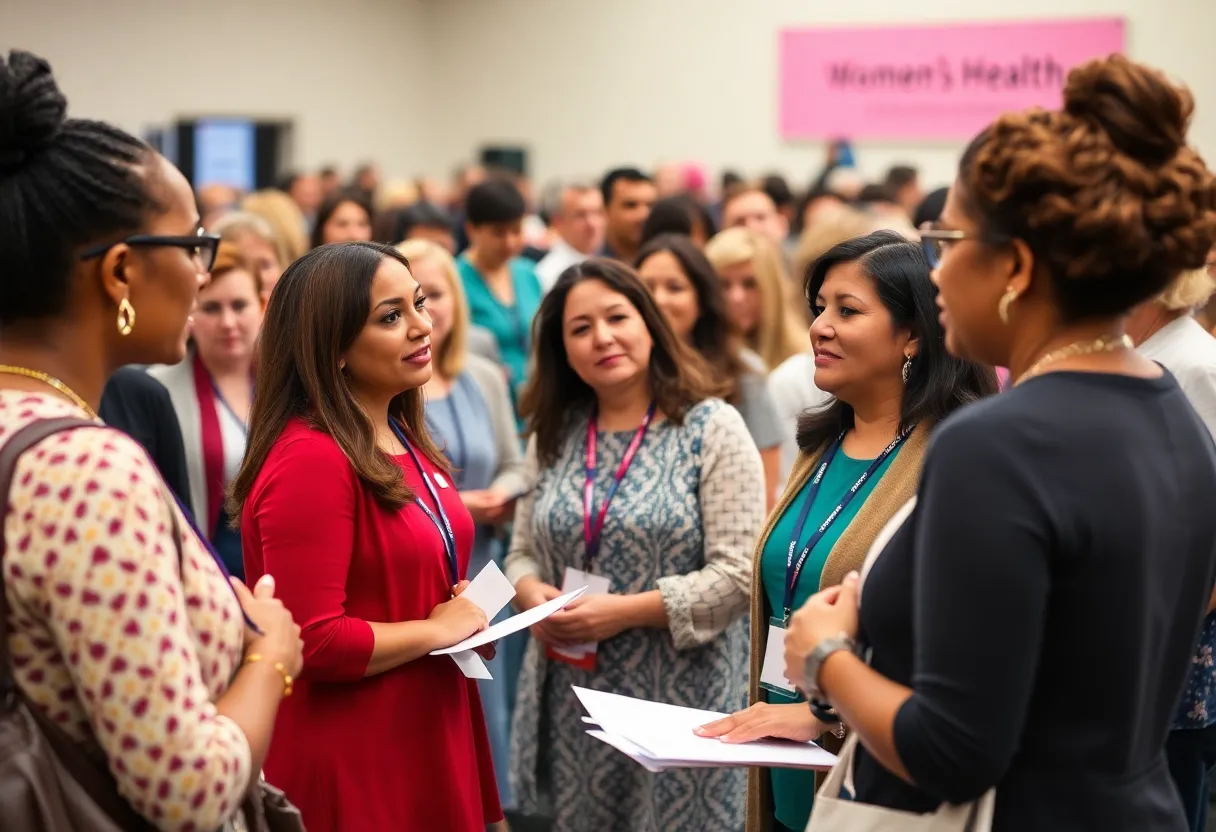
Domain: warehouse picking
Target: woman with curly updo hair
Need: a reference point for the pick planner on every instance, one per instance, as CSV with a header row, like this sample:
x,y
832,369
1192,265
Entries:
x,y
1030,620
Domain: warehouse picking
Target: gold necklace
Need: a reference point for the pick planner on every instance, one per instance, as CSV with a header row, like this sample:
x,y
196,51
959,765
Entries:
x,y
1103,344
47,378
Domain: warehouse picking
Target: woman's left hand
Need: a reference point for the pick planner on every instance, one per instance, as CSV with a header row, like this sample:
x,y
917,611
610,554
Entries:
x,y
486,651
489,507
826,614
592,618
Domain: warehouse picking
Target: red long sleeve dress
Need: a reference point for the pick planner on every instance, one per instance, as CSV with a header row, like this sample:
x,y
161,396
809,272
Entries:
x,y
405,749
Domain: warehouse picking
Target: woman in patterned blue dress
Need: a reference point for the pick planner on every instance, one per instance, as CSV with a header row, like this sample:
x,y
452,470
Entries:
x,y
673,547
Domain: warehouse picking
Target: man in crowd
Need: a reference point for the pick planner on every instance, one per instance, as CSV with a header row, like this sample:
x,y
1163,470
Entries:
x,y
576,216
750,206
628,194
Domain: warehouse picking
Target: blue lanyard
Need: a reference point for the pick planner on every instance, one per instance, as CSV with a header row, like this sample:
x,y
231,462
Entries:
x,y
459,455
215,557
793,568
444,528
219,397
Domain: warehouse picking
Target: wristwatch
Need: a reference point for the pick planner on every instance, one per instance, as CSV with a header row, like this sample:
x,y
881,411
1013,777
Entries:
x,y
815,661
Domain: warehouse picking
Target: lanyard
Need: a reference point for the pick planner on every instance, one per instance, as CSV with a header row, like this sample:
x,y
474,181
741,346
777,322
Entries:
x,y
444,528
219,397
793,568
592,528
215,556
460,454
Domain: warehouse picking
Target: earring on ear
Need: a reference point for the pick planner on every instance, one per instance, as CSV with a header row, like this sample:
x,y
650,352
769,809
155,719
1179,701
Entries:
x,y
1002,307
907,368
126,317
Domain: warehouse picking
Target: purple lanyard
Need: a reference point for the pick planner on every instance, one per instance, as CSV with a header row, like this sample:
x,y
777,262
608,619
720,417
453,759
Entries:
x,y
215,557
593,528
444,528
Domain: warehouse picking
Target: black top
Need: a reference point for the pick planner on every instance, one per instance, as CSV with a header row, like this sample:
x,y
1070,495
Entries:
x,y
140,407
1043,602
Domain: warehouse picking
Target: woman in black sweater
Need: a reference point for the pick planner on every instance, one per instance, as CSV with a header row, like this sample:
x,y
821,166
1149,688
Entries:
x,y
1031,624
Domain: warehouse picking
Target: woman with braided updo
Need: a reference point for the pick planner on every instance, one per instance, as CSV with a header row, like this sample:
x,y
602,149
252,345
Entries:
x,y
1029,625
122,626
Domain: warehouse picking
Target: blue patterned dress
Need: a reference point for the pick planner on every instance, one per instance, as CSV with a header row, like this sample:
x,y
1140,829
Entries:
x,y
684,521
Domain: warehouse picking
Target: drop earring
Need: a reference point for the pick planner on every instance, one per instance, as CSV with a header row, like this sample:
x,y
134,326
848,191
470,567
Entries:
x,y
126,317
1002,307
907,369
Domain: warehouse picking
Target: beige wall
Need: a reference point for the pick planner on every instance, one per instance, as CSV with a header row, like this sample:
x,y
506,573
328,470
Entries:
x,y
419,85
590,84
349,72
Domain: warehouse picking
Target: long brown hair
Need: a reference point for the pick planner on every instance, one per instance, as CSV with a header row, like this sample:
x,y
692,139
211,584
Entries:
x,y
711,335
679,378
316,311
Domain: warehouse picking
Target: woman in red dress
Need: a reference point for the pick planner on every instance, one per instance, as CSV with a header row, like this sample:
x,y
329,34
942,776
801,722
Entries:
x,y
344,498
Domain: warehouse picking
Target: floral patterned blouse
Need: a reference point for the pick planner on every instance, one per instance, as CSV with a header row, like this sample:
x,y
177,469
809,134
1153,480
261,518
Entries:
x,y
107,637
1198,706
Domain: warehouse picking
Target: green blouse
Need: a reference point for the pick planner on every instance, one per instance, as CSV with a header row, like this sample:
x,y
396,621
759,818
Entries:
x,y
793,789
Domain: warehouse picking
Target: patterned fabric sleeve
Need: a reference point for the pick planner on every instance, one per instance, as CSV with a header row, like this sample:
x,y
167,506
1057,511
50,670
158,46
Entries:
x,y
701,604
101,639
521,559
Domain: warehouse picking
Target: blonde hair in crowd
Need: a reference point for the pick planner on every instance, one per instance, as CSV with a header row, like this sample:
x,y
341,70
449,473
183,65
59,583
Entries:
x,y
1189,291
450,358
779,333
285,219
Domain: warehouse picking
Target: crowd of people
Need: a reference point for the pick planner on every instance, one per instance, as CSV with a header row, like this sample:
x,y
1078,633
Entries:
x,y
260,443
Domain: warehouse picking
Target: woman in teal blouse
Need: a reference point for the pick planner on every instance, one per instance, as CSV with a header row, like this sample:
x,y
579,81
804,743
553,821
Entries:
x,y
501,287
880,351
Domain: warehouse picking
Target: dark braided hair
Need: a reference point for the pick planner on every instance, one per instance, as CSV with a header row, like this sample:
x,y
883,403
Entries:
x,y
64,183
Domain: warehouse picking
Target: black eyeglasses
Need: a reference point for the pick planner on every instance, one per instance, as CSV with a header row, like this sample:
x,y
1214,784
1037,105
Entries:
x,y
936,241
202,246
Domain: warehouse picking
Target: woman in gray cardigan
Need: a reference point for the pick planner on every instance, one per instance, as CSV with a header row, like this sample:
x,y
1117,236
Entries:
x,y
468,411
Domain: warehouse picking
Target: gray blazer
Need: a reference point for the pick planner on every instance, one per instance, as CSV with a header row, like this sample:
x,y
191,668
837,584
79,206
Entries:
x,y
178,379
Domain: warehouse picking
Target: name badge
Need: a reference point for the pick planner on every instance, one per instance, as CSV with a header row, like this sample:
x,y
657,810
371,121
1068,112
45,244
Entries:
x,y
439,478
580,655
772,672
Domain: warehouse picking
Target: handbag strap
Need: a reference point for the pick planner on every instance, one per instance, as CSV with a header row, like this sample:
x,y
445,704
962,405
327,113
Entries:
x,y
91,774
20,442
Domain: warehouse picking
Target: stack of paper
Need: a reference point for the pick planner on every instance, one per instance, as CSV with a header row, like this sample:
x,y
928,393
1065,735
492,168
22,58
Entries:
x,y
660,736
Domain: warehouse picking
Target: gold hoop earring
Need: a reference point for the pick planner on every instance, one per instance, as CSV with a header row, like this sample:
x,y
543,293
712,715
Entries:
x,y
1007,299
126,317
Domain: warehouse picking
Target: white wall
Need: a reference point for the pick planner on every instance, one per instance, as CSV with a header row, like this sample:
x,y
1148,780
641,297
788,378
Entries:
x,y
419,85
351,73
590,83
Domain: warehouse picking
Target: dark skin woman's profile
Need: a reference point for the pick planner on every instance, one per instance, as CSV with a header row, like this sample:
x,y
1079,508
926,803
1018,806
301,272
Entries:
x,y
104,257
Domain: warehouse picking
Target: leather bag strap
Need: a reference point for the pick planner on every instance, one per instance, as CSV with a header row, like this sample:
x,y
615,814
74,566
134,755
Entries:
x,y
90,773
20,442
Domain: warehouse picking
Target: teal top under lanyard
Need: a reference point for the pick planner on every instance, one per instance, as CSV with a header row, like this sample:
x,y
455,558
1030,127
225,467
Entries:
x,y
794,790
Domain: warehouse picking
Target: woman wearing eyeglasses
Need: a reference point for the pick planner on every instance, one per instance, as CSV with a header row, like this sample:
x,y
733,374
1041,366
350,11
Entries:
x,y
123,628
1024,636
212,392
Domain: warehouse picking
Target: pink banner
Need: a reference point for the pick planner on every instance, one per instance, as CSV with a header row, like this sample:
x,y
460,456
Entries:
x,y
929,82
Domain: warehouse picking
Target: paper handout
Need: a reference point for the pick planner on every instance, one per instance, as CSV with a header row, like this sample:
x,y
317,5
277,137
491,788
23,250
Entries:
x,y
490,591
513,624
663,735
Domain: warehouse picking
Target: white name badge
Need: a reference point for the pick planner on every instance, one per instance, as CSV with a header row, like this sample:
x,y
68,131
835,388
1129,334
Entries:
x,y
443,483
772,672
596,585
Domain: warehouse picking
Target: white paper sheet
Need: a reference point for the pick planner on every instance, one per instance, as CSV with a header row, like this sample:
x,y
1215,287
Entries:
x,y
490,591
471,665
639,756
664,733
513,624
